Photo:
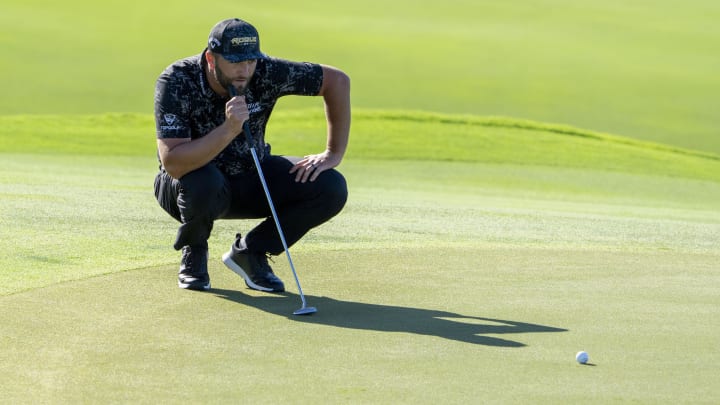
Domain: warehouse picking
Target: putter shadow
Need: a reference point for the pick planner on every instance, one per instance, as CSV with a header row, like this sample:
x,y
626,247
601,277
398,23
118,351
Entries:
x,y
387,318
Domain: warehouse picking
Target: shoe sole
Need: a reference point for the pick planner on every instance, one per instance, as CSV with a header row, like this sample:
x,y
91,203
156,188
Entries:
x,y
230,264
187,286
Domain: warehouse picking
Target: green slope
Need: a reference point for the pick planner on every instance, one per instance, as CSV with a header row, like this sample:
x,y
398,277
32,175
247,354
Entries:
x,y
385,135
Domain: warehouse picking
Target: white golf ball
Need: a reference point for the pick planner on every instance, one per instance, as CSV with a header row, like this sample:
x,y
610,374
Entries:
x,y
582,357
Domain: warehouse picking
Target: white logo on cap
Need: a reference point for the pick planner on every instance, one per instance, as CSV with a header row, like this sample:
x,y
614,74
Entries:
x,y
243,40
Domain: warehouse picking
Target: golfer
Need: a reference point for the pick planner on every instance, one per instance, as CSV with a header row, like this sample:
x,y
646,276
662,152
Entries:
x,y
207,171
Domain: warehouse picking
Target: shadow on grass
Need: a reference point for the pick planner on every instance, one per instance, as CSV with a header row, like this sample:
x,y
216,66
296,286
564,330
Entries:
x,y
387,318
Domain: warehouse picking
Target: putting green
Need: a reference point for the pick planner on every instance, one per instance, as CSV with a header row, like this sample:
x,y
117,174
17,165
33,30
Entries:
x,y
474,280
394,325
486,295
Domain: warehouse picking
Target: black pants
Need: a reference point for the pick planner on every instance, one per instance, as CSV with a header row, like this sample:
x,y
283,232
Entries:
x,y
200,197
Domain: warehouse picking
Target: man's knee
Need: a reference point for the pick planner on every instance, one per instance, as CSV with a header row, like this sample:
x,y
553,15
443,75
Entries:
x,y
204,188
203,181
335,191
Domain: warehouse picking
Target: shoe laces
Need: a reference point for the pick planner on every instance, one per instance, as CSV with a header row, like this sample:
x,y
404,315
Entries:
x,y
262,261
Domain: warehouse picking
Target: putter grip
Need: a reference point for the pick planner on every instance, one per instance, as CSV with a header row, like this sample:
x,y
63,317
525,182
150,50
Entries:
x,y
246,126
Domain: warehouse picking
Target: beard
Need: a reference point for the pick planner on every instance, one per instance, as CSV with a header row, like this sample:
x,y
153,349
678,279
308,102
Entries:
x,y
225,81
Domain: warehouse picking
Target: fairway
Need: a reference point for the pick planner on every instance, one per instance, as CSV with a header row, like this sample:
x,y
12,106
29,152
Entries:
x,y
644,70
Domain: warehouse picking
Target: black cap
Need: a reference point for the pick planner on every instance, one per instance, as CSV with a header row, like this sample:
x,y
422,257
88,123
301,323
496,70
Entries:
x,y
236,40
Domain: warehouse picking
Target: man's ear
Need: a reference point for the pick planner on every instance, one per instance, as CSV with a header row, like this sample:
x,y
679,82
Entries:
x,y
210,59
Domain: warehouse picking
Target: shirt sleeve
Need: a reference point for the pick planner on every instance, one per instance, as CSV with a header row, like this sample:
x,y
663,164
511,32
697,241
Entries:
x,y
292,78
171,108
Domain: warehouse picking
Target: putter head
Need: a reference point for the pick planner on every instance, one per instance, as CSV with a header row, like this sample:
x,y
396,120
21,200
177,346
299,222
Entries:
x,y
305,311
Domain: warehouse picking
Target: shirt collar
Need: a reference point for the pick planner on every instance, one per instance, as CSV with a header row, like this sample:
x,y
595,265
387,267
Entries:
x,y
204,83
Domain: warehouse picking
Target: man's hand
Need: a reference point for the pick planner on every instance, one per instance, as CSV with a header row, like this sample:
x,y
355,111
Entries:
x,y
335,91
310,167
180,156
236,113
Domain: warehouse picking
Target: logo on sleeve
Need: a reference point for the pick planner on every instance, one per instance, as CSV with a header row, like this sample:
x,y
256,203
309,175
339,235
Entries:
x,y
170,120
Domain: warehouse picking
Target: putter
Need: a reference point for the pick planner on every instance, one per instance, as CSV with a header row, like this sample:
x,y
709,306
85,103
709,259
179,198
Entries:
x,y
304,310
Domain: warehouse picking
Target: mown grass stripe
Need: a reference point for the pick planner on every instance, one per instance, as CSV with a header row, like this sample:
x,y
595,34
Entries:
x,y
507,122
381,135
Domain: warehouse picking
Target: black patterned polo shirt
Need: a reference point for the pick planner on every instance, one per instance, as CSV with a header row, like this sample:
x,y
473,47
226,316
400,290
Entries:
x,y
187,107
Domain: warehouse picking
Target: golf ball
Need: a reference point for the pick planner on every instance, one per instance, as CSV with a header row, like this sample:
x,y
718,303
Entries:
x,y
582,357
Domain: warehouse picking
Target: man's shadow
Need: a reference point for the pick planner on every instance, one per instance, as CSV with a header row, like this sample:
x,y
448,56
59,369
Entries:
x,y
387,318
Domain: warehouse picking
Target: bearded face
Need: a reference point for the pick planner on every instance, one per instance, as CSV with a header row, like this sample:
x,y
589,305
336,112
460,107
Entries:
x,y
236,74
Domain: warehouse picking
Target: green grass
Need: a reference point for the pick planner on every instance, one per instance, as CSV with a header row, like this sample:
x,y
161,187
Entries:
x,y
383,135
507,332
496,224
70,185
640,69
481,270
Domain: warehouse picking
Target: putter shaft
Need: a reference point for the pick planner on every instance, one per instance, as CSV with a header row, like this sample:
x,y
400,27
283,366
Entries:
x,y
248,136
